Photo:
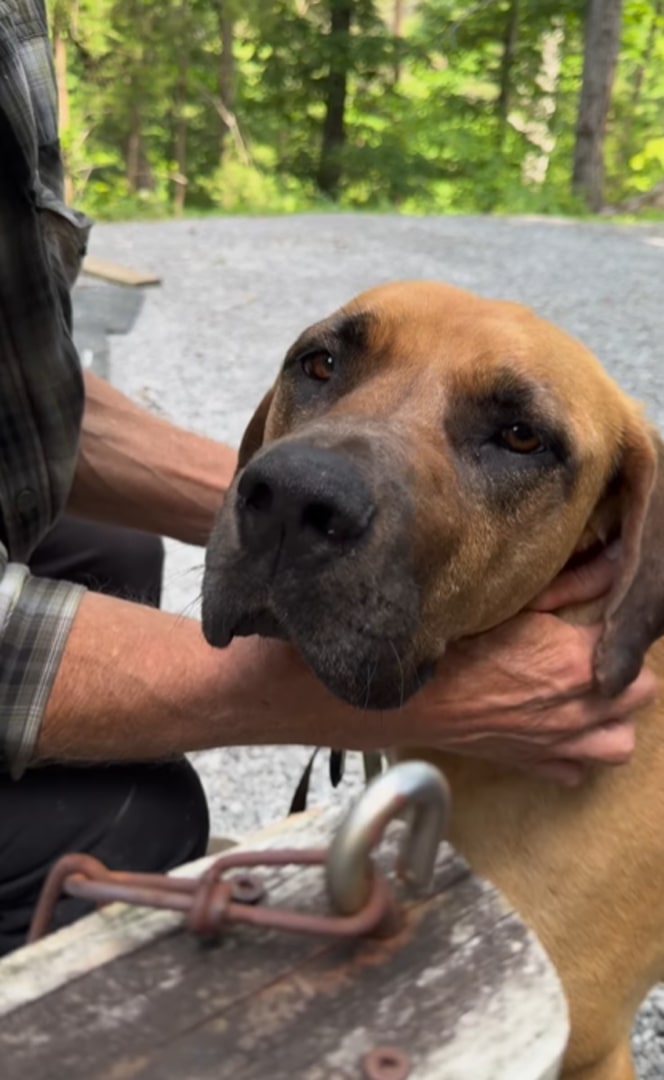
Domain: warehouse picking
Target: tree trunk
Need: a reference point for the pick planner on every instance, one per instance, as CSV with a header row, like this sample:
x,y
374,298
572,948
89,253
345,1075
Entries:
x,y
506,64
181,31
133,158
64,113
397,26
601,46
329,168
637,84
180,179
226,71
539,129
59,31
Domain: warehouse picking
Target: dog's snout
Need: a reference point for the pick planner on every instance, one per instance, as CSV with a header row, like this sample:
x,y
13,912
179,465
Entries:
x,y
302,499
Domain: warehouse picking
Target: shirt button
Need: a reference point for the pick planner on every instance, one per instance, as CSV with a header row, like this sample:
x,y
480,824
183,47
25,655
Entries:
x,y
26,502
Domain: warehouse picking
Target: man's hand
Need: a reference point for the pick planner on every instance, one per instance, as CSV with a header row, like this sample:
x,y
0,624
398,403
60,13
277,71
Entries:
x,y
533,704
537,707
521,694
584,583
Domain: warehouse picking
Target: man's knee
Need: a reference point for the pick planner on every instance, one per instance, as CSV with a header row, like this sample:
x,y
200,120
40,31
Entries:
x,y
131,566
105,558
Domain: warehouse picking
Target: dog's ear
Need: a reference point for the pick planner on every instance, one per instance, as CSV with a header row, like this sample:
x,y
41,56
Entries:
x,y
252,440
634,617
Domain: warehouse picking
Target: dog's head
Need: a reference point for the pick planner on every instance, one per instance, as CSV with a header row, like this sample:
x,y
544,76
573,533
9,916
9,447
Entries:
x,y
425,464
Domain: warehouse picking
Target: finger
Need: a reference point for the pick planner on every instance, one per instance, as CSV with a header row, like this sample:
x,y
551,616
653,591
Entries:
x,y
578,585
609,744
574,711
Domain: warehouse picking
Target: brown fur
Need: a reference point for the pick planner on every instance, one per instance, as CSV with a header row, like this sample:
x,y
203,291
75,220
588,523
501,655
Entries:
x,y
585,867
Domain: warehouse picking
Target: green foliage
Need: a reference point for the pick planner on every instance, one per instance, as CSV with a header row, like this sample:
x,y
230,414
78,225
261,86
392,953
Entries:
x,y
471,108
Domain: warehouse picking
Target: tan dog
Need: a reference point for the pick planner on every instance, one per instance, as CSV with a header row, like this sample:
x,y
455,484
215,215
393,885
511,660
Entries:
x,y
426,464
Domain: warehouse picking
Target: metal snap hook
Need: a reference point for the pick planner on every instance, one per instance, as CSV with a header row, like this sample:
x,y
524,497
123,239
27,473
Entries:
x,y
414,786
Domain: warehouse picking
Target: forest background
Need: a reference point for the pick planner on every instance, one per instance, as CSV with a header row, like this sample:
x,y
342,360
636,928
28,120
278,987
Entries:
x,y
415,106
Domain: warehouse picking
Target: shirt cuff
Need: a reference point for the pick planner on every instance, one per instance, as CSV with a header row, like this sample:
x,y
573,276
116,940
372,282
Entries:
x,y
35,619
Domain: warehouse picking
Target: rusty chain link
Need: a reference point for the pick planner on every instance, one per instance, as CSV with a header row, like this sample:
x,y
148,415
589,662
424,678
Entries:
x,y
211,901
360,894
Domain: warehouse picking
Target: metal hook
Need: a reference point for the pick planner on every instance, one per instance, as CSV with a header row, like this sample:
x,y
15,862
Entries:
x,y
413,786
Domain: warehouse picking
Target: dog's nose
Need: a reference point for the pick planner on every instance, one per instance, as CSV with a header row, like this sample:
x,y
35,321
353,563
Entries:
x,y
303,500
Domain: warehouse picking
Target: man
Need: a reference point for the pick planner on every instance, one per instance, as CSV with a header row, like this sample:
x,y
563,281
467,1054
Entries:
x,y
124,689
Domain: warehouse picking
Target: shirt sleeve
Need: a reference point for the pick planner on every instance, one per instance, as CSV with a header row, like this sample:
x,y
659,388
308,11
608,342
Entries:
x,y
35,619
41,386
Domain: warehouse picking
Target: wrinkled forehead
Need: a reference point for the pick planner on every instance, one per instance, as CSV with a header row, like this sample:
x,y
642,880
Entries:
x,y
471,346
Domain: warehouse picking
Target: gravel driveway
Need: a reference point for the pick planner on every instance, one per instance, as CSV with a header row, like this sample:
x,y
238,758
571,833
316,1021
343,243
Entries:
x,y
237,291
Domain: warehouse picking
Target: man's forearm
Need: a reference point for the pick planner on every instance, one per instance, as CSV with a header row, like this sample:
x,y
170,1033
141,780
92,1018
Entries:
x,y
135,683
140,684
138,470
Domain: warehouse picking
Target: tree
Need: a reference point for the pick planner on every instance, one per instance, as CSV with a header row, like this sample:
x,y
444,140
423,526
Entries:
x,y
424,105
226,67
601,47
329,168
507,63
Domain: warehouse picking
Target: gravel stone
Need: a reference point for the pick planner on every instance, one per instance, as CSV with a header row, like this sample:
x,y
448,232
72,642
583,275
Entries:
x,y
237,291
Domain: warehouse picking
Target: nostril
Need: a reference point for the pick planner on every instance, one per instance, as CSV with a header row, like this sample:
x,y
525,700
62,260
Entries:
x,y
320,518
260,498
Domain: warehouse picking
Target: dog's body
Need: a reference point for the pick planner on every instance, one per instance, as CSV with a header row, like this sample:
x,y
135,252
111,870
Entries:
x,y
584,869
426,464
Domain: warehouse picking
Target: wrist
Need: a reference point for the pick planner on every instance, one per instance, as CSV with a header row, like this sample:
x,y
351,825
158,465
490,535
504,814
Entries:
x,y
272,697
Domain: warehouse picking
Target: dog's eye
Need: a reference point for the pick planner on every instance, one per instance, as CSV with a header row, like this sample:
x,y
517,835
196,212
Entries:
x,y
521,439
318,365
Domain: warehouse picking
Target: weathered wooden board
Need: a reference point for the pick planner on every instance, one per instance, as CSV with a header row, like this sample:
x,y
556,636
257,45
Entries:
x,y
463,989
117,272
117,929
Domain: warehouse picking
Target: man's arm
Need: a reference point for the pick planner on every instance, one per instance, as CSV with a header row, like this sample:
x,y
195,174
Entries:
x,y
135,683
138,470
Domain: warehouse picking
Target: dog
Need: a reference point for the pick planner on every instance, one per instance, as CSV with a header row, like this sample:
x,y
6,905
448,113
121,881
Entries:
x,y
425,464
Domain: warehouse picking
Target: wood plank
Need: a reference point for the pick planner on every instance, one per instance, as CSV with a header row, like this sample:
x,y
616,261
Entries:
x,y
117,272
463,977
116,930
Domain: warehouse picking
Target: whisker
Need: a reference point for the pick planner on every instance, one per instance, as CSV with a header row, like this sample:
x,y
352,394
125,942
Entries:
x,y
371,670
188,608
402,691
179,575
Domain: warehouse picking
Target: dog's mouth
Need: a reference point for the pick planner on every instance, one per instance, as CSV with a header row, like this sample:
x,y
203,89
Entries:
x,y
379,676
364,669
313,550
262,623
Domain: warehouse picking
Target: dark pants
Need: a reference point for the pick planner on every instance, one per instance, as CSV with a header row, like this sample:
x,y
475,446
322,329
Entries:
x,y
104,558
132,816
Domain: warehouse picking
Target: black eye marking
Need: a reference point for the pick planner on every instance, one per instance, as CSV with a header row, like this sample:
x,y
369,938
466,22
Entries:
x,y
318,365
509,429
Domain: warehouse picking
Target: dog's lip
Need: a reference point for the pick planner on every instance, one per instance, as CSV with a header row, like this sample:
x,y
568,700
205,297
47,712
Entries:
x,y
426,671
262,623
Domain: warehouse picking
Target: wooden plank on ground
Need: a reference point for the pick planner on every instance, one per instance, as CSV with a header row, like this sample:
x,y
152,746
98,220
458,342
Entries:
x,y
463,989
117,272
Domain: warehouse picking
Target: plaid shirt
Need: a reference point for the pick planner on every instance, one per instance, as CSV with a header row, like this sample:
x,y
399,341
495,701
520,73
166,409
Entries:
x,y
41,389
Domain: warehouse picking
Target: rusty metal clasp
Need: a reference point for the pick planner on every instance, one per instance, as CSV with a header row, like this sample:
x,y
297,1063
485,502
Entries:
x,y
361,896
413,787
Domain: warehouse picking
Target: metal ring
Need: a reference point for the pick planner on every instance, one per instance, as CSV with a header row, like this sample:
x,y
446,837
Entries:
x,y
414,786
